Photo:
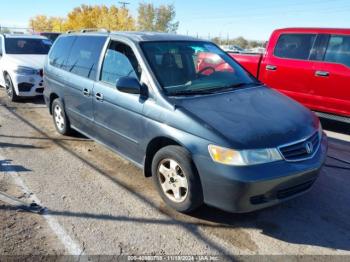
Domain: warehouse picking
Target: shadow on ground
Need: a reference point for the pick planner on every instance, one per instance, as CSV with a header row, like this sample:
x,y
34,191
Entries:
x,y
7,166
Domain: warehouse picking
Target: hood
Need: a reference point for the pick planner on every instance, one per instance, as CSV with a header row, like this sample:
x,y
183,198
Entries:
x,y
33,61
253,117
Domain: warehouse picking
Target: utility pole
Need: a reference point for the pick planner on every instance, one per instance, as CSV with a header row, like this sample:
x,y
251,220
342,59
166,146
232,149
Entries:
x,y
124,4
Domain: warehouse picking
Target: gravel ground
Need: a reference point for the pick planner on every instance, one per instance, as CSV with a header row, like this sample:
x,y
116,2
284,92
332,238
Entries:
x,y
106,205
24,233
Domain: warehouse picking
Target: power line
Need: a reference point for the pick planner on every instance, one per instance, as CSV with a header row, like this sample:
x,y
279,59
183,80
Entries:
x,y
124,4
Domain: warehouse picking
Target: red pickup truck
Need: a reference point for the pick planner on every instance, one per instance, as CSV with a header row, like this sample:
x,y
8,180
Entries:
x,y
311,65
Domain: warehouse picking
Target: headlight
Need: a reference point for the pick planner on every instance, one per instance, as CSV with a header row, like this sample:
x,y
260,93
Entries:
x,y
244,157
22,70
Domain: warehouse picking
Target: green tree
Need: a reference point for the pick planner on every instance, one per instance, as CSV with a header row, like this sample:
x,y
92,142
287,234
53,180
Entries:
x,y
161,19
241,41
146,17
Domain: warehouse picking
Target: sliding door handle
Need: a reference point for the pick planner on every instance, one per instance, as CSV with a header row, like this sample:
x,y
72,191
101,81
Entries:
x,y
271,67
322,73
86,92
99,97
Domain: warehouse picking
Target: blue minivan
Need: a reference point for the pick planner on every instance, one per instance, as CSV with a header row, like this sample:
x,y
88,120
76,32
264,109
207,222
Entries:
x,y
188,114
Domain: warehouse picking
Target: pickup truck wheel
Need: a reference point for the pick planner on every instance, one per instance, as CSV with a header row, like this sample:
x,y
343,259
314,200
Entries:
x,y
176,179
60,118
10,90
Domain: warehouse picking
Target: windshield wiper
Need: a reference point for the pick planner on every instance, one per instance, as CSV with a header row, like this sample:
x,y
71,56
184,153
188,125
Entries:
x,y
234,86
191,92
211,90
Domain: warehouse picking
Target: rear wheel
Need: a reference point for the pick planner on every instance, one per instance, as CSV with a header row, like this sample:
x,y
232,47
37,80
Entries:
x,y
176,179
10,90
59,118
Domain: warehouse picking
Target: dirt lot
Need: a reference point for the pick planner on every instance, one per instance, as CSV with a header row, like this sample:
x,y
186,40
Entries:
x,y
102,204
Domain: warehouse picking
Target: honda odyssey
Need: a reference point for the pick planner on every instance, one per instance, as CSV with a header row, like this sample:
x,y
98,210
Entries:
x,y
206,134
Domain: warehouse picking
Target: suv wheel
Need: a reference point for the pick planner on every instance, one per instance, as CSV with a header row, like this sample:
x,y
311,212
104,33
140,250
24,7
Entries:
x,y
176,179
60,118
10,91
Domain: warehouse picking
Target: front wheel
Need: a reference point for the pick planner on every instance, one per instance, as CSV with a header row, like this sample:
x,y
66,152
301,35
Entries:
x,y
176,179
60,118
10,90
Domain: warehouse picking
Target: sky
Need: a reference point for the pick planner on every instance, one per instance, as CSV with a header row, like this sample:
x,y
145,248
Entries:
x,y
252,19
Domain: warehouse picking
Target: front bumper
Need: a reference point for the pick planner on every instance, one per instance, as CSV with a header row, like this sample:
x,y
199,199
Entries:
x,y
28,86
245,189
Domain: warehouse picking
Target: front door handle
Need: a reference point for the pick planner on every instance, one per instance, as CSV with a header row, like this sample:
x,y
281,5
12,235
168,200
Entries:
x,y
99,97
322,73
271,67
86,92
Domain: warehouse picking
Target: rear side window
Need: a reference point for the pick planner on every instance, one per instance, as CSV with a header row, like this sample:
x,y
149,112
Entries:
x,y
84,56
60,51
338,50
295,46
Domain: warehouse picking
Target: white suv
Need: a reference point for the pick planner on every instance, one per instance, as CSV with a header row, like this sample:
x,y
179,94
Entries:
x,y
22,58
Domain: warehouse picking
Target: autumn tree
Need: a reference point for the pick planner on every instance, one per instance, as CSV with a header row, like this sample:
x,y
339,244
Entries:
x,y
57,24
150,18
102,16
40,23
161,19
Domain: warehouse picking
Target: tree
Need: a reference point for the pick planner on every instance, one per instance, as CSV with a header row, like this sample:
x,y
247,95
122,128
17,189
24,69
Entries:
x,y
40,23
57,24
242,42
111,18
161,19
165,16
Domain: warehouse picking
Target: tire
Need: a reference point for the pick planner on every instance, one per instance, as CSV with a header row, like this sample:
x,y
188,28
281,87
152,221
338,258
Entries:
x,y
172,171
60,118
10,90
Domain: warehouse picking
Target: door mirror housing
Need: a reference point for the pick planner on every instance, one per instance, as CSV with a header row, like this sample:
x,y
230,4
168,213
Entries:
x,y
129,85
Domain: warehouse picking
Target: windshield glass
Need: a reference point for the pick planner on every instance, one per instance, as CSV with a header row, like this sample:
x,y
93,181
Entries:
x,y
194,67
27,46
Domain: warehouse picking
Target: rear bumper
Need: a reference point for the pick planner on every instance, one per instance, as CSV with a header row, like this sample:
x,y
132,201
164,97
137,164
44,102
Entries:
x,y
245,189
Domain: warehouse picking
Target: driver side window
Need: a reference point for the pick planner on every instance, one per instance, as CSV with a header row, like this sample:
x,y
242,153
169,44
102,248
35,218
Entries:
x,y
120,61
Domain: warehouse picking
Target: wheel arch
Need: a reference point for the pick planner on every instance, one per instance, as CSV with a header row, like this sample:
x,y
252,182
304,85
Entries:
x,y
153,147
52,97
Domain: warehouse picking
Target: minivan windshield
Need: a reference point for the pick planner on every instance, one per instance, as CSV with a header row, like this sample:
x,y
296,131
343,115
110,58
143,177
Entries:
x,y
189,67
27,46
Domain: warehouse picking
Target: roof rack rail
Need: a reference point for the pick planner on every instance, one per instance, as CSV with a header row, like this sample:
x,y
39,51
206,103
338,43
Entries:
x,y
87,30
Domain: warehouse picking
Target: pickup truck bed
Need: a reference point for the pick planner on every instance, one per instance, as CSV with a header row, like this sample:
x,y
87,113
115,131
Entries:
x,y
251,62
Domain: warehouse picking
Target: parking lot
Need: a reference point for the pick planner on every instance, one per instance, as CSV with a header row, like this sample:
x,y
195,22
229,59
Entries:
x,y
98,203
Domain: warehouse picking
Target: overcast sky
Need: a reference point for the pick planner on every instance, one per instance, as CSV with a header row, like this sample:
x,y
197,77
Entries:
x,y
254,19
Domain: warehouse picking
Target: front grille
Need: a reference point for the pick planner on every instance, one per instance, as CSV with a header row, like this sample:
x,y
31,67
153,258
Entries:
x,y
294,190
40,90
301,150
25,87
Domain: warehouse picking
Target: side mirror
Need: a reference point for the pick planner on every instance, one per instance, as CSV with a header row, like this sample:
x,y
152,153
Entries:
x,y
129,85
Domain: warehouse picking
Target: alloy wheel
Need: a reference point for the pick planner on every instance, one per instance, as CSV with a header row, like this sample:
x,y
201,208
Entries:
x,y
8,87
59,118
173,180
